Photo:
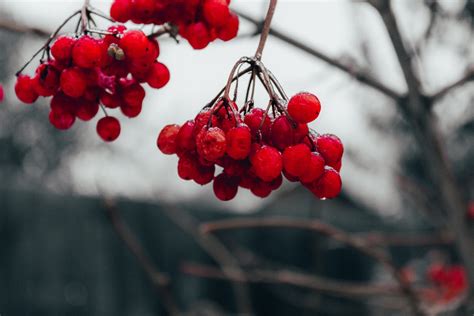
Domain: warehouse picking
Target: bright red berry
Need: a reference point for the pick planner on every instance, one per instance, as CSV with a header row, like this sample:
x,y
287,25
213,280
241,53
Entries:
x,y
135,44
87,52
73,82
304,107
166,141
108,128
282,133
216,12
254,119
187,166
24,89
230,29
330,147
46,80
197,35
296,159
159,76
185,139
328,186
239,140
2,94
267,163
62,48
225,187
86,110
314,170
61,119
121,10
211,143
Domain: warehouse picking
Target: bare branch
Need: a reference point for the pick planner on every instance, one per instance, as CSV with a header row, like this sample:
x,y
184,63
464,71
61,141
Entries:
x,y
469,76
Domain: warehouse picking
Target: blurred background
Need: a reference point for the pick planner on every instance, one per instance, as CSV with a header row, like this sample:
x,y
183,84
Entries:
x,y
59,254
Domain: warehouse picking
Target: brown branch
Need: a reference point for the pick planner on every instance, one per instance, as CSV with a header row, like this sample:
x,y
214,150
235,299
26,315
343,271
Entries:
x,y
303,280
416,109
353,71
327,230
265,29
469,76
159,280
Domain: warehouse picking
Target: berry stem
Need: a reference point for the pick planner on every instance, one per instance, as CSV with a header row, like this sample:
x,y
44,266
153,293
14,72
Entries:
x,y
232,73
265,29
240,74
84,15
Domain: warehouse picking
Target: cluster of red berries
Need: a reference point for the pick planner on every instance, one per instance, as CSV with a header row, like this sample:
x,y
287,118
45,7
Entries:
x,y
198,21
83,73
255,149
450,281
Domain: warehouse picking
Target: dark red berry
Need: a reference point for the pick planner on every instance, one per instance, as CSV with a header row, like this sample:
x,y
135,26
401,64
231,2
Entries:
x,y
159,76
239,140
267,163
108,128
62,48
314,170
24,89
330,147
166,141
296,159
225,187
211,143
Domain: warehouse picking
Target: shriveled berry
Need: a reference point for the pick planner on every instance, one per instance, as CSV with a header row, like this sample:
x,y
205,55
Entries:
x,y
239,140
159,76
328,186
314,170
166,141
304,107
87,52
267,163
330,147
73,82
202,119
296,159
62,48
108,128
24,89
225,187
211,143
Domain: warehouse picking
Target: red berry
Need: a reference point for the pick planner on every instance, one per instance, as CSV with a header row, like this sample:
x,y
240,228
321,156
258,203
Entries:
x,y
135,44
62,48
73,82
225,187
216,12
185,139
267,163
437,273
204,174
330,147
133,95
230,29
108,128
211,143
159,76
314,170
111,101
131,111
187,166
261,189
276,183
2,94
328,186
46,80
296,159
254,118
202,119
86,109
121,10
197,35
282,133
87,52
166,141
61,119
239,140
304,107
24,89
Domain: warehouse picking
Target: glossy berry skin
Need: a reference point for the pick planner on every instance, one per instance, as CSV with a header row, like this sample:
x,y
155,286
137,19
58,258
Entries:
x,y
108,128
198,36
282,133
121,10
314,170
211,144
216,12
24,89
296,159
225,187
46,80
73,82
87,52
166,141
267,163
328,186
159,76
239,140
185,139
330,147
62,48
304,107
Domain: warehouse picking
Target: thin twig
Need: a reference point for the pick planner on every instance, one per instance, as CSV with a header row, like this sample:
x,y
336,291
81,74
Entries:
x,y
265,29
159,280
469,76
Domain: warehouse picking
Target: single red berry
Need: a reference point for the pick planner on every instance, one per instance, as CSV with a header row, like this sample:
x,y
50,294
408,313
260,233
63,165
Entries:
x,y
135,44
131,111
216,12
330,147
300,133
61,119
204,174
296,159
267,163
73,82
197,35
87,52
46,80
211,143
62,48
239,140
202,119
230,29
24,89
108,128
314,170
282,133
328,186
111,101
261,189
185,139
225,187
61,102
133,95
166,141
254,119
187,166
304,107
86,110
159,76
121,10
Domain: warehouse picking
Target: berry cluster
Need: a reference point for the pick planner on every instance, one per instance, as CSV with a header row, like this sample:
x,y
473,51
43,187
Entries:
x,y
255,148
83,73
198,21
450,281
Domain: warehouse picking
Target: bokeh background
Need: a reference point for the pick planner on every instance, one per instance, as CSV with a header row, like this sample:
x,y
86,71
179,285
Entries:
x,y
59,254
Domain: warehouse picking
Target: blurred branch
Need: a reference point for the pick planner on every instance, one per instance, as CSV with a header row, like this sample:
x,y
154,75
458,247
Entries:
x,y
327,230
469,76
159,280
416,108
316,283
352,70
